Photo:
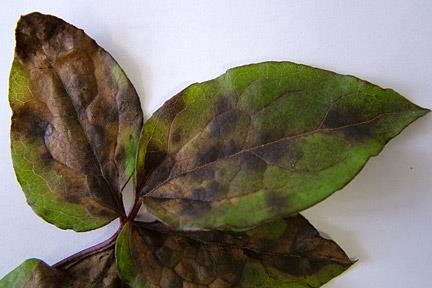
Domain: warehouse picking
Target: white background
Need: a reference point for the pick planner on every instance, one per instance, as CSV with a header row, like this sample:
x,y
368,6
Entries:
x,y
383,217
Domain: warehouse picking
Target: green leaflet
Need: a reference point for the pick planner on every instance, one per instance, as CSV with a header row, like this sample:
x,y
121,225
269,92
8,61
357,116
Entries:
x,y
261,141
98,270
76,121
286,253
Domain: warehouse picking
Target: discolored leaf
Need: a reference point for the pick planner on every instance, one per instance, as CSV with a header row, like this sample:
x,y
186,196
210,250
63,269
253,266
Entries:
x,y
285,253
262,141
75,124
96,271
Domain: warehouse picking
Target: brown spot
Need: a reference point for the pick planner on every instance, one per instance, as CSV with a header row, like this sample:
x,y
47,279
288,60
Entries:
x,y
169,279
280,153
46,158
159,175
358,132
265,137
209,193
26,122
176,135
209,155
214,189
276,201
194,208
336,117
157,167
37,128
229,147
107,111
199,194
73,198
206,173
224,103
120,155
274,153
103,212
165,256
250,162
154,156
170,108
98,182
296,266
97,134
223,124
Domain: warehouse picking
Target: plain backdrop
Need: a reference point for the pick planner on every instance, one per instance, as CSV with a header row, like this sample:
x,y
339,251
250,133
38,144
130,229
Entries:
x,y
383,217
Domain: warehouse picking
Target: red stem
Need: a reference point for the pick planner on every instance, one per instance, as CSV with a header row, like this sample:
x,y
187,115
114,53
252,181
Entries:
x,y
87,252
104,245
135,209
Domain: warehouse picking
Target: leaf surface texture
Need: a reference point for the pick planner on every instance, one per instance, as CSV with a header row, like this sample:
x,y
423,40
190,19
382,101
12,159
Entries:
x,y
262,141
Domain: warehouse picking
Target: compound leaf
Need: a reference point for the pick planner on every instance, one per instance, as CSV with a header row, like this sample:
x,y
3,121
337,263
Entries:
x,y
75,125
285,253
262,141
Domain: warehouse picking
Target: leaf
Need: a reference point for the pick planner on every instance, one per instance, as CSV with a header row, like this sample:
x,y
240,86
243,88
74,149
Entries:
x,y
285,253
75,124
98,270
262,141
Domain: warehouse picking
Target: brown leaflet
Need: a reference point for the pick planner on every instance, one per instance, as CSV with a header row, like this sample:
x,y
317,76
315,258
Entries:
x,y
285,252
76,114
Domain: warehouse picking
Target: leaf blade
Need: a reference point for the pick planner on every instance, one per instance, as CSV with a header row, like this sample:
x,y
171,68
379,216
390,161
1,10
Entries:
x,y
75,114
285,253
261,141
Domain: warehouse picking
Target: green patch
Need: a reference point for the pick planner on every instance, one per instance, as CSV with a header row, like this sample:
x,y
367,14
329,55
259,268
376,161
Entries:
x,y
43,189
19,90
256,275
130,144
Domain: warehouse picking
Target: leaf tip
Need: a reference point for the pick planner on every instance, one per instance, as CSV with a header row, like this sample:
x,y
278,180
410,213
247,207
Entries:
x,y
422,111
32,30
426,110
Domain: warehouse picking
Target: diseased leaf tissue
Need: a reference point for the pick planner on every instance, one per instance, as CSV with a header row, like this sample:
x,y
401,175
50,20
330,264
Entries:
x,y
225,165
